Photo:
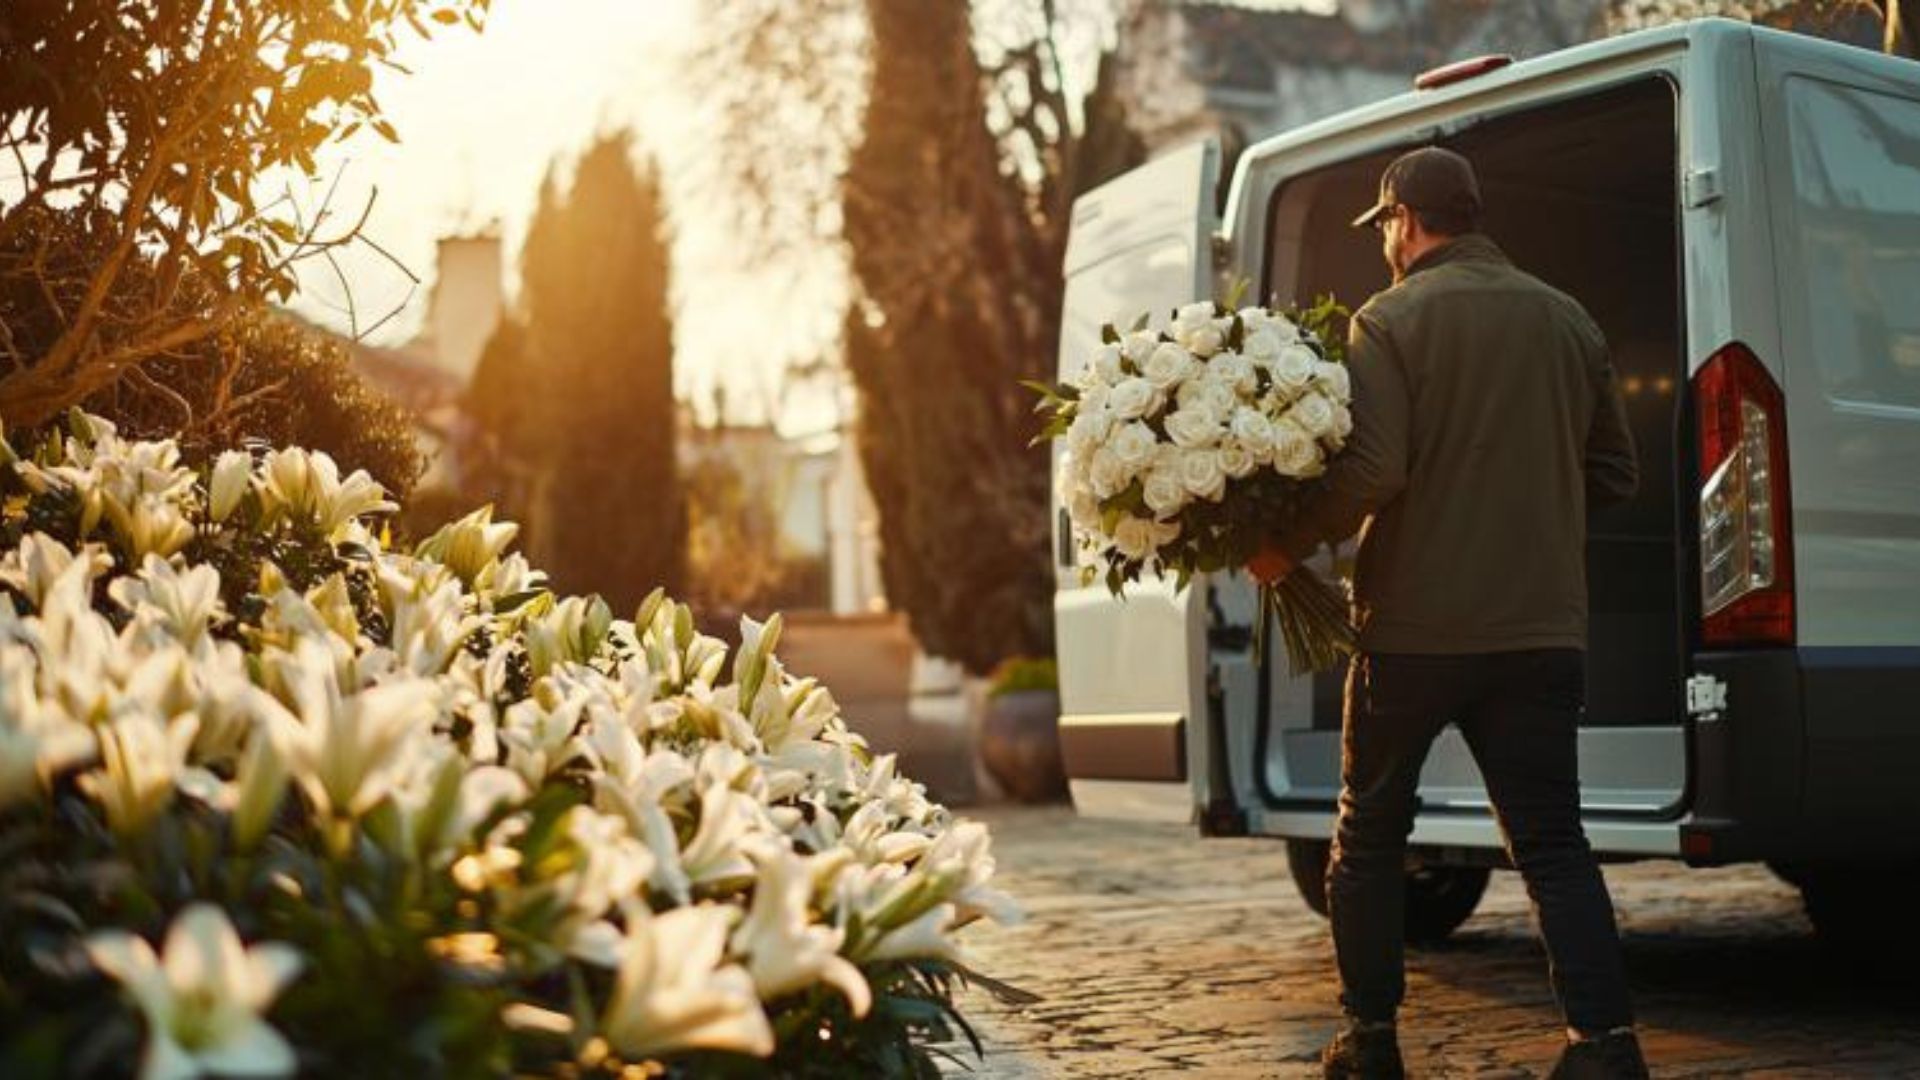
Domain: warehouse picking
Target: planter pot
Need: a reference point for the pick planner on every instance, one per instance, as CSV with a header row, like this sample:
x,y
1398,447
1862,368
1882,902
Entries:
x,y
1020,744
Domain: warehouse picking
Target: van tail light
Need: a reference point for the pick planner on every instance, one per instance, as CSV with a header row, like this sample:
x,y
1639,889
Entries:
x,y
1746,537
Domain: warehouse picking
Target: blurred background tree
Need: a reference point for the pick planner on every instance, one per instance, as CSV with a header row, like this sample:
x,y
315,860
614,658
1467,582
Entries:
x,y
579,397
953,183
154,123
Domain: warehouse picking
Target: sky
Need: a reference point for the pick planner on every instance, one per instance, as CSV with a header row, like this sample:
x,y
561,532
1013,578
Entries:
x,y
483,117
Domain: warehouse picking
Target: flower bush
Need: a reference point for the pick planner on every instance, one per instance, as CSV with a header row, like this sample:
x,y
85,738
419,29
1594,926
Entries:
x,y
276,798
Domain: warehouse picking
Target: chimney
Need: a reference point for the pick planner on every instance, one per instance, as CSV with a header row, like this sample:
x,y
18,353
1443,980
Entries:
x,y
467,300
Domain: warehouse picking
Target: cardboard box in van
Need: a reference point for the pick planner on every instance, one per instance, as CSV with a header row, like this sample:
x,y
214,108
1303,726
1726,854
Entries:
x,y
1739,210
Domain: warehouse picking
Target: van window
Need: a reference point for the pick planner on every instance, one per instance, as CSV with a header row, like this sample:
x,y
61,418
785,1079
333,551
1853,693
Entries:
x,y
1856,172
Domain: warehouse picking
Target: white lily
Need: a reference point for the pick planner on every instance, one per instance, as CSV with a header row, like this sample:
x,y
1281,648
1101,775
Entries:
x,y
870,836
204,999
40,560
232,471
306,487
610,866
925,937
148,525
508,576
961,860
182,604
470,546
571,631
260,786
346,748
141,761
541,735
786,951
36,742
727,819
429,619
675,991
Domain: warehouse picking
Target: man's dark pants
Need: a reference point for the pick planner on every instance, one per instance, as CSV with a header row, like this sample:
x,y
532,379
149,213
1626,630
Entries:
x,y
1518,711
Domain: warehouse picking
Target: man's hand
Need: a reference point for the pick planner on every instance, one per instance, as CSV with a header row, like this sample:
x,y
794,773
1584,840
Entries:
x,y
1270,566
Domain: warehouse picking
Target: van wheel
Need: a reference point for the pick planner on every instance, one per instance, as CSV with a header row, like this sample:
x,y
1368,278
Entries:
x,y
1439,898
1862,912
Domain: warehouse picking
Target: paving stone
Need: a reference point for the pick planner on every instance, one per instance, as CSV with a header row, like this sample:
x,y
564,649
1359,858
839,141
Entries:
x,y
1156,952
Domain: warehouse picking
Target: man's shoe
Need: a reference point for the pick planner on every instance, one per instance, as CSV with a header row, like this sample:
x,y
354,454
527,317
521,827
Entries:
x,y
1363,1052
1614,1056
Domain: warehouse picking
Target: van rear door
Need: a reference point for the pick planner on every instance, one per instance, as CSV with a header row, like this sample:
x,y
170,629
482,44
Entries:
x,y
1132,674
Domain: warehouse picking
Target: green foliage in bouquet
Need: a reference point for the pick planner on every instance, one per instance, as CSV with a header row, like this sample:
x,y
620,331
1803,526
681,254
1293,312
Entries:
x,y
277,798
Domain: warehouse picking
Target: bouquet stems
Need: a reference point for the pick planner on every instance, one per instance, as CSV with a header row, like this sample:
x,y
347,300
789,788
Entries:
x,y
1313,623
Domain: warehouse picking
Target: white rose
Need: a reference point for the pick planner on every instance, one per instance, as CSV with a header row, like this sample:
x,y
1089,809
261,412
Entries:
x,y
1138,345
1134,537
1236,460
1084,509
1094,398
1220,398
1168,366
1334,380
1278,325
1293,369
1261,346
1342,421
1203,340
1194,426
1234,370
1164,493
1295,453
1131,399
1201,474
1165,532
1090,428
1192,316
1253,430
1133,446
1106,365
1314,413
1080,434
1105,473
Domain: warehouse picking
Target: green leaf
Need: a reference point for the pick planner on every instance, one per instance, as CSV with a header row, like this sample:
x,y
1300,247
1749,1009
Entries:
x,y
1238,293
1109,335
512,602
1142,322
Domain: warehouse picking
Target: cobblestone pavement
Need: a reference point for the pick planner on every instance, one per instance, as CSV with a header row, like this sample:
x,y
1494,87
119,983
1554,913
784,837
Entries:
x,y
1156,951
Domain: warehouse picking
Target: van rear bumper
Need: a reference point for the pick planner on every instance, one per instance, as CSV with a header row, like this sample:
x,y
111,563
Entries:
x,y
1816,757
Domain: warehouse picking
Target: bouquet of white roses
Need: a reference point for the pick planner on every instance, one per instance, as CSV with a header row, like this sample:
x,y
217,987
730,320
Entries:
x,y
1186,448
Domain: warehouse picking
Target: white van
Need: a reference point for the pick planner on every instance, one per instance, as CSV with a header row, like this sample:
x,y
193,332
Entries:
x,y
1739,209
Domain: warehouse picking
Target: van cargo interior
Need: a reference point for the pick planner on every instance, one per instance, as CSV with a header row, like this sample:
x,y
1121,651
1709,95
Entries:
x,y
1582,195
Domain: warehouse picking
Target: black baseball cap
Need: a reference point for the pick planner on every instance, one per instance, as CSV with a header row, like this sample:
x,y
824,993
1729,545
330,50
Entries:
x,y
1429,178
